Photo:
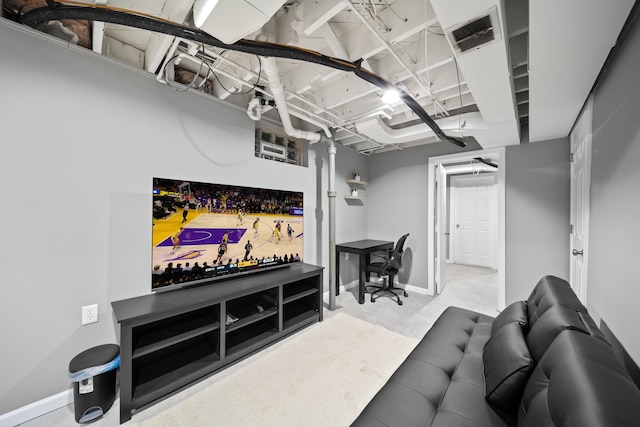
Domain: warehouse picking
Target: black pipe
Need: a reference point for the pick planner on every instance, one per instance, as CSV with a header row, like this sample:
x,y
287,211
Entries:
x,y
486,162
44,14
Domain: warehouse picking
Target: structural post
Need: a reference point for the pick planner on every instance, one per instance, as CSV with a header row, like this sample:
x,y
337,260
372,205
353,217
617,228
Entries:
x,y
331,193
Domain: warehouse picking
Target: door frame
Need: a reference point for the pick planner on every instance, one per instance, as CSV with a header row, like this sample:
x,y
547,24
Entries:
x,y
498,152
453,210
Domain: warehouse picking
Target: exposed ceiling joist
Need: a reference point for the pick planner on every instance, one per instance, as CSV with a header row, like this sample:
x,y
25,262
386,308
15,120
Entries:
x,y
534,75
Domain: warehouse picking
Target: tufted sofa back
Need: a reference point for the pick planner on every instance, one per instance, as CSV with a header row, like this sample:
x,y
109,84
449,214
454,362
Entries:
x,y
552,308
551,291
579,382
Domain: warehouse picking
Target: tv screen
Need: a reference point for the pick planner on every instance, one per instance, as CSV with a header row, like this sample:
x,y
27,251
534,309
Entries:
x,y
203,232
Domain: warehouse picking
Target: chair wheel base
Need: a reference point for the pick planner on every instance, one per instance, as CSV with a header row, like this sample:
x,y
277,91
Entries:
x,y
378,291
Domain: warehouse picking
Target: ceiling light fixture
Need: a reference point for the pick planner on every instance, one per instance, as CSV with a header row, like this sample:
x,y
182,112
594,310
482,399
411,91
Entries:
x,y
247,16
391,96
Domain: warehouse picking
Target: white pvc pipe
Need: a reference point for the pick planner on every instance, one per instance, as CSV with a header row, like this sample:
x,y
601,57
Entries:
x,y
254,110
270,69
308,119
331,193
339,122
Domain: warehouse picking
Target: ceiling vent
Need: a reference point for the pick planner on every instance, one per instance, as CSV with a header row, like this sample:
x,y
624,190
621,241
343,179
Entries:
x,y
475,33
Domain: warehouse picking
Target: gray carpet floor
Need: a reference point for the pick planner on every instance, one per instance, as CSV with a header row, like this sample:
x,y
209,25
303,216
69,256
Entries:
x,y
468,287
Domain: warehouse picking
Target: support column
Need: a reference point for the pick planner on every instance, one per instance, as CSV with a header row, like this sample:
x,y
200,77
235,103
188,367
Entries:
x,y
331,193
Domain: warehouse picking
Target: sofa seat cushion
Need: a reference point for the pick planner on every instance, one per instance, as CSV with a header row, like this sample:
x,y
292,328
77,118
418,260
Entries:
x,y
441,382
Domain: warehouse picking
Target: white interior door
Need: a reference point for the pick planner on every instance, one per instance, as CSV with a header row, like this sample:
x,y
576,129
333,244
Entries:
x,y
500,246
441,228
473,226
580,187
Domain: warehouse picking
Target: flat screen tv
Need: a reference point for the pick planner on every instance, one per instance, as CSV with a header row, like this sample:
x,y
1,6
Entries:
x,y
205,232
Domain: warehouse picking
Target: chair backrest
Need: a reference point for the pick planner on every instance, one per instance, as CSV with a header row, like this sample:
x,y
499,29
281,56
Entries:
x,y
395,260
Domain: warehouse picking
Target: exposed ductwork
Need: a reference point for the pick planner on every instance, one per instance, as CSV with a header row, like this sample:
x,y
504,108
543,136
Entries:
x,y
377,129
486,66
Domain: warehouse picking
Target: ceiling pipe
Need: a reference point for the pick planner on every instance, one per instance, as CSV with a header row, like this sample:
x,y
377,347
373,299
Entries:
x,y
54,11
277,92
254,115
308,119
301,116
469,168
331,194
254,109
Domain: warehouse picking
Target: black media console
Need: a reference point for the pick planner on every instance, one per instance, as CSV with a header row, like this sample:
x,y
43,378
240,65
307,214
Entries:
x,y
171,339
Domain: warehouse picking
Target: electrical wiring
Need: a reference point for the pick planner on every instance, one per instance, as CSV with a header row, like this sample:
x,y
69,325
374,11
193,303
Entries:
x,y
106,14
195,76
394,12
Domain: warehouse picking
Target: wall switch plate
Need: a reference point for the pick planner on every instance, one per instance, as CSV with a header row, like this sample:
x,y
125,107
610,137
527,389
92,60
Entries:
x,y
89,314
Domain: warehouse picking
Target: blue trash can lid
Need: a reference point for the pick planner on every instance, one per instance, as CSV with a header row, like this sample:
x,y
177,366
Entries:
x,y
94,356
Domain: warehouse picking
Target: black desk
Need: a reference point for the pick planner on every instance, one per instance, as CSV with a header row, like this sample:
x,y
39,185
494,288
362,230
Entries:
x,y
363,248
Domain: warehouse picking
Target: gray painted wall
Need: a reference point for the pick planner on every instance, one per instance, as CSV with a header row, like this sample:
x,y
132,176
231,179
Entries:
x,y
397,203
80,190
537,210
613,282
537,215
351,220
82,139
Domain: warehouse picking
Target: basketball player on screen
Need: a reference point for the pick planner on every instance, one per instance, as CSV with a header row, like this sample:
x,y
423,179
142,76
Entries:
x,y
175,239
255,227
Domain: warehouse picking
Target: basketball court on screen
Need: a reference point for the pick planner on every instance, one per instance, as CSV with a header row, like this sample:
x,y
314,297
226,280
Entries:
x,y
203,233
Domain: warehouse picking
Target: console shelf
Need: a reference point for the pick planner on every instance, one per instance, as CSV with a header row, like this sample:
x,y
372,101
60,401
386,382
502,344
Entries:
x,y
245,321
300,295
171,339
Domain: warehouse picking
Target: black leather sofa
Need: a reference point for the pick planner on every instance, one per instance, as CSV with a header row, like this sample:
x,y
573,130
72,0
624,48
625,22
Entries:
x,y
541,362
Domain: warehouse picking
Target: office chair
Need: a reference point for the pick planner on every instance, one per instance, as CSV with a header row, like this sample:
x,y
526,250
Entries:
x,y
387,268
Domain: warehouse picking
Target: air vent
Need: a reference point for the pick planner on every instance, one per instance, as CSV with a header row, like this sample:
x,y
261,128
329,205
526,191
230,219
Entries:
x,y
475,33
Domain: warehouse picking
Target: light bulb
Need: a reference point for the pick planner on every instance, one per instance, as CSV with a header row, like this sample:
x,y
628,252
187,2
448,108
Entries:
x,y
391,96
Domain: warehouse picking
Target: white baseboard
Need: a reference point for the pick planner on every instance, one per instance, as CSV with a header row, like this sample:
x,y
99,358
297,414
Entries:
x,y
343,288
408,288
417,290
36,409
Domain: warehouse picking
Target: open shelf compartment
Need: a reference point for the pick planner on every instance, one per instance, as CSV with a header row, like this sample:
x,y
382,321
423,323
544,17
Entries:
x,y
173,330
252,335
300,311
164,370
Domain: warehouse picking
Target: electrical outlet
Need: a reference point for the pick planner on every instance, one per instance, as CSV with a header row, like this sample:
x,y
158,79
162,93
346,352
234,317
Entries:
x,y
89,314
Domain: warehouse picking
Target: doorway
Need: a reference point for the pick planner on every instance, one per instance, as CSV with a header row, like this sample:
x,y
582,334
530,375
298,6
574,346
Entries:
x,y
580,139
438,234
